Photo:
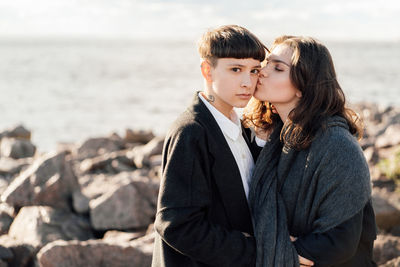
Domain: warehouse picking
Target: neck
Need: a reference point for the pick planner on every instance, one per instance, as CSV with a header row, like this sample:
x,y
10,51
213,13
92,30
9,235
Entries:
x,y
283,111
219,104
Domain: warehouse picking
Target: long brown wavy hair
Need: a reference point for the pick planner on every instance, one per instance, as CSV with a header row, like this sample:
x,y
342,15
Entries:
x,y
313,73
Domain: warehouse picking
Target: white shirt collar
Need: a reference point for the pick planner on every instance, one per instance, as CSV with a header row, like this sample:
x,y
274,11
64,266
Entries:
x,y
230,127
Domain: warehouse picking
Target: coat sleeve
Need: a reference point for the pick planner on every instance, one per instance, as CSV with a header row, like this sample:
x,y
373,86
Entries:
x,y
334,246
184,198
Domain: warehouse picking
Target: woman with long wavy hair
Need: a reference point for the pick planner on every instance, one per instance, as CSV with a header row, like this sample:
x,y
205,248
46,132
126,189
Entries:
x,y
310,193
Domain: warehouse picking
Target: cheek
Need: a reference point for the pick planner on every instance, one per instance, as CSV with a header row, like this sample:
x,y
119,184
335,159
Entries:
x,y
261,91
254,81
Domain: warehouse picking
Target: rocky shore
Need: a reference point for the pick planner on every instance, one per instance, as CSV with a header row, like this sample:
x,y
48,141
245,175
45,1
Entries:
x,y
93,204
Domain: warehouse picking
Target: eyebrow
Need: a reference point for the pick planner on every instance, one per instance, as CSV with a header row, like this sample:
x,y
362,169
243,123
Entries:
x,y
277,61
243,66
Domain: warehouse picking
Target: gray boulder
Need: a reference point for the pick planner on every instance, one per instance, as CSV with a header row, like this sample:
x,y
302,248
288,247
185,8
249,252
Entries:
x,y
11,167
391,137
130,203
17,148
392,263
387,216
386,248
5,254
113,162
96,253
142,154
48,181
22,253
18,131
6,217
80,202
138,136
120,237
39,225
371,155
97,146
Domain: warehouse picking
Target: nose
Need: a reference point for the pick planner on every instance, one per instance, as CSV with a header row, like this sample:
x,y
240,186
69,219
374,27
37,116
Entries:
x,y
246,81
263,73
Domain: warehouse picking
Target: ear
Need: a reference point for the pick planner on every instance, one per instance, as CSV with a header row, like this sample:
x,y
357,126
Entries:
x,y
299,94
206,70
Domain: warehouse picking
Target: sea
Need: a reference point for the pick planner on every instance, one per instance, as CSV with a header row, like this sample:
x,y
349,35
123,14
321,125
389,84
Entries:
x,y
68,90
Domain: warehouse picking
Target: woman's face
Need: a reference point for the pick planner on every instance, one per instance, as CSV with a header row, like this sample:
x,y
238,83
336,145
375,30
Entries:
x,y
274,84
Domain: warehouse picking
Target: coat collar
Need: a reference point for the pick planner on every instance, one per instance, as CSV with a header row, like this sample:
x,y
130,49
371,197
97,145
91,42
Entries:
x,y
230,127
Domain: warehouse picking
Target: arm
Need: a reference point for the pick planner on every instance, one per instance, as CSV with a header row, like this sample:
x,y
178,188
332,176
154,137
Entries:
x,y
343,191
184,199
334,246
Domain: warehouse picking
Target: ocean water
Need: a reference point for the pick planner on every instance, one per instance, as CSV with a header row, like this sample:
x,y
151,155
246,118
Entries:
x,y
67,91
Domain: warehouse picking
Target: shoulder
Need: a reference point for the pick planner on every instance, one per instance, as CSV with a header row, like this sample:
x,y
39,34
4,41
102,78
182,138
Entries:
x,y
186,127
336,144
338,139
335,136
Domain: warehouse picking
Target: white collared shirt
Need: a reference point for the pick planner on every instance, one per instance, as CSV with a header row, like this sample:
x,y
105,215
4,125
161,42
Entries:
x,y
232,130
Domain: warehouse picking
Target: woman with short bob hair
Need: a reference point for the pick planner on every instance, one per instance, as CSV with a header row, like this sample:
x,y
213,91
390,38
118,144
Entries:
x,y
310,193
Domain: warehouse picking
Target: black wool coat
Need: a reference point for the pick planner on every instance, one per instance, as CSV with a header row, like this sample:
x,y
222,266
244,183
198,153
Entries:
x,y
203,218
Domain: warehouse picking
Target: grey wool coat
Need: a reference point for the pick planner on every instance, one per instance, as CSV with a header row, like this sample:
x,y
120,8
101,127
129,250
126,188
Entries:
x,y
308,191
202,213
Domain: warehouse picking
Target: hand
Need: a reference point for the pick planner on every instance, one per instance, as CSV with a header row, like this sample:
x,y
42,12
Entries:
x,y
305,262
292,238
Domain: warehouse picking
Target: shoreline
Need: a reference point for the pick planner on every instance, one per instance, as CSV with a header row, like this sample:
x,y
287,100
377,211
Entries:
x,y
98,197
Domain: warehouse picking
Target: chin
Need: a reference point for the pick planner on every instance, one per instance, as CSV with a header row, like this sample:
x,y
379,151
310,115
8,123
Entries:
x,y
240,105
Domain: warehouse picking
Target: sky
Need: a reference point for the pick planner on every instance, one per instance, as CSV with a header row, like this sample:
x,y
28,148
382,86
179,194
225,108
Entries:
x,y
178,19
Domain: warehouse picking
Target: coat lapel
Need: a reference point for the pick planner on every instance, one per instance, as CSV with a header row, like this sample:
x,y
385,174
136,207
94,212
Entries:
x,y
226,172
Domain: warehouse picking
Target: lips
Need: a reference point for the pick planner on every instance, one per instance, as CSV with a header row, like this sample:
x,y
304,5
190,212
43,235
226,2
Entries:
x,y
244,96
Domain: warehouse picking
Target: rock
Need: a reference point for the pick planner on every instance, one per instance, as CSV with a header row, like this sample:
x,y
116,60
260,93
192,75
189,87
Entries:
x,y
10,166
386,248
390,137
39,225
367,142
48,181
80,202
392,263
5,253
141,154
97,146
394,118
6,217
22,253
17,148
96,253
155,161
130,203
121,237
65,146
383,182
386,215
371,155
138,136
3,184
115,161
18,131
